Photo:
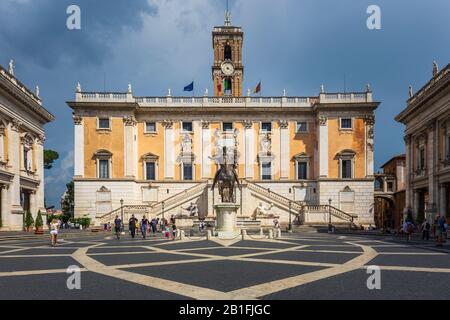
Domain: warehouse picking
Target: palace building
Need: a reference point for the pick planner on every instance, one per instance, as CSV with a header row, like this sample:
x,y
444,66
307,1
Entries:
x,y
305,157
427,138
22,136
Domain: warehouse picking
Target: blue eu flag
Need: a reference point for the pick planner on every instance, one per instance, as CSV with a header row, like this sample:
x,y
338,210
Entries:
x,y
190,87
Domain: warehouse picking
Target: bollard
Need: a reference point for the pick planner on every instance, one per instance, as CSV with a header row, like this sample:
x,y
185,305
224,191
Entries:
x,y
208,235
244,234
261,232
182,235
278,233
270,233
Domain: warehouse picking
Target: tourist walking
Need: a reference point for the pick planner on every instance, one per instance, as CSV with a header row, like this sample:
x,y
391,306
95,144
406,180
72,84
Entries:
x,y
441,231
154,225
174,231
54,228
118,227
144,227
132,226
408,229
426,227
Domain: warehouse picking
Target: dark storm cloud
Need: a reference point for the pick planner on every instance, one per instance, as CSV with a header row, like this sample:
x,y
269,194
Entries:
x,y
36,30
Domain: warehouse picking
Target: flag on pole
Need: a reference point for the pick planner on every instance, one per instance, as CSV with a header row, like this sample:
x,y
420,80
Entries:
x,y
257,89
190,87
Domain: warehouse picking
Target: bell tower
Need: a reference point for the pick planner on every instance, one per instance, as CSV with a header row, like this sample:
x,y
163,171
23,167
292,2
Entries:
x,y
228,70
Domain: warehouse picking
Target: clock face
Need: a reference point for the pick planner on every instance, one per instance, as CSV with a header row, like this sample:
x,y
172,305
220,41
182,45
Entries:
x,y
227,68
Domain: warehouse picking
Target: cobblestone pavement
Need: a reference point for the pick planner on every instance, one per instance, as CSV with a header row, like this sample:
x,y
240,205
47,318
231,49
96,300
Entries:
x,y
297,266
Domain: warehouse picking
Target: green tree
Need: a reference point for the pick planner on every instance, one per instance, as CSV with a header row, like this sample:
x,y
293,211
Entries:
x,y
50,157
39,222
29,221
67,204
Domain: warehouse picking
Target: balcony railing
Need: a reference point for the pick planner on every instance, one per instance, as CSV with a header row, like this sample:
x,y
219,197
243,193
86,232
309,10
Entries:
x,y
238,102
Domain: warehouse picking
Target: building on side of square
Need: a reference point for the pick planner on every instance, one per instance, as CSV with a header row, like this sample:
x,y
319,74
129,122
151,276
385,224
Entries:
x,y
157,153
427,138
390,189
22,136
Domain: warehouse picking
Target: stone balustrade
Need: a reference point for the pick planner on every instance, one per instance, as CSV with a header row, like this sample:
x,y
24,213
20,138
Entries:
x,y
238,102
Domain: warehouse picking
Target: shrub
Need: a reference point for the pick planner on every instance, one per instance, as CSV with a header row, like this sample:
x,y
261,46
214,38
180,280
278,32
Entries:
x,y
39,222
29,222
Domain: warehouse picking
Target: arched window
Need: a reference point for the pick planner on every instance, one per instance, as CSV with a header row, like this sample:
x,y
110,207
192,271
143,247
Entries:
x,y
228,55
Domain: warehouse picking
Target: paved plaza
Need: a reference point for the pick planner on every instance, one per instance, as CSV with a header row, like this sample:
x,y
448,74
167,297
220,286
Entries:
x,y
297,266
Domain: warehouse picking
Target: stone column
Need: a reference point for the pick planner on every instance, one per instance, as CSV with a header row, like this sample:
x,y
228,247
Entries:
x,y
130,147
416,204
431,166
442,200
323,147
285,151
249,150
206,150
40,192
78,146
15,162
5,206
408,173
169,150
370,123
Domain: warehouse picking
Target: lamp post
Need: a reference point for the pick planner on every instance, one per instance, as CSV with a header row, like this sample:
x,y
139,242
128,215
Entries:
x,y
121,212
329,216
290,216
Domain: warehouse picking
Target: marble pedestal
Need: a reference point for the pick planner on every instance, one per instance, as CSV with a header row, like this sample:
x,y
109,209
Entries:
x,y
226,221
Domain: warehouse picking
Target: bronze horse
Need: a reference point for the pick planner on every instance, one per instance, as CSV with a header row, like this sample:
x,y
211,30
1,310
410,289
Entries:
x,y
226,177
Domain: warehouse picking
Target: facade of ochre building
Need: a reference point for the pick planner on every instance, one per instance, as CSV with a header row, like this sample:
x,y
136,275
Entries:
x,y
157,154
427,138
22,120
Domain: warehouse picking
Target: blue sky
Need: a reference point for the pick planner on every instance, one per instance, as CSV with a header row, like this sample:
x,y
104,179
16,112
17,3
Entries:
x,y
161,44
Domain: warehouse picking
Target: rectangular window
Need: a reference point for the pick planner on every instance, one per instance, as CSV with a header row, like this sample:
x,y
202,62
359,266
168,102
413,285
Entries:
x,y
104,123
25,158
346,123
346,169
227,126
150,169
302,171
302,126
150,127
103,172
188,172
267,171
266,127
447,153
421,160
187,127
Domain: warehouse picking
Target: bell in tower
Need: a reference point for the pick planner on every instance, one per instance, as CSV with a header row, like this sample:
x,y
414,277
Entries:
x,y
228,70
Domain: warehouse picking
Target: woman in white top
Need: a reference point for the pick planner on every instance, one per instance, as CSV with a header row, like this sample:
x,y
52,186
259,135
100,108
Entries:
x,y
54,227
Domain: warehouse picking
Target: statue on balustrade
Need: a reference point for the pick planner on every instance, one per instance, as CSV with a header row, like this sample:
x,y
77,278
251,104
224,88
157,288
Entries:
x,y
227,178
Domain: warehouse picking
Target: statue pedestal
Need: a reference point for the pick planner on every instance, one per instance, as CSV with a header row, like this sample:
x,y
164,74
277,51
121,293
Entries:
x,y
226,222
185,222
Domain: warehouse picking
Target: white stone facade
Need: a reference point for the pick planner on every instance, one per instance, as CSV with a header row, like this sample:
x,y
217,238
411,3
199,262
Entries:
x,y
22,136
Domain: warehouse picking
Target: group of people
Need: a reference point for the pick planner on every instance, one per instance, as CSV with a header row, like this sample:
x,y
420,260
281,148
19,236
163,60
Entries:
x,y
438,229
146,227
